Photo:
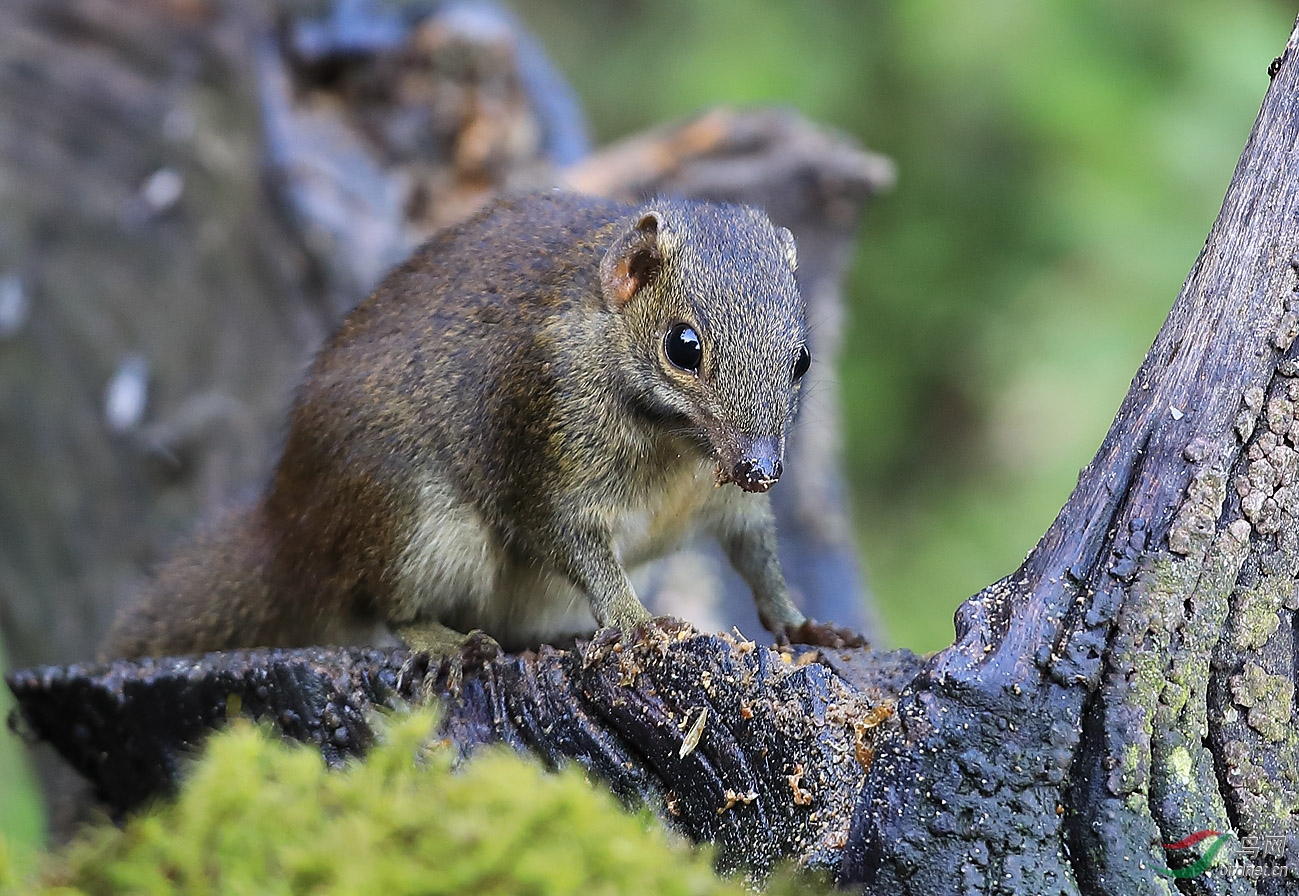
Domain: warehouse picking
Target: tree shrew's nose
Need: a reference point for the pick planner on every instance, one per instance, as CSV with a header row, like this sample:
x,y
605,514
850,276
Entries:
x,y
759,466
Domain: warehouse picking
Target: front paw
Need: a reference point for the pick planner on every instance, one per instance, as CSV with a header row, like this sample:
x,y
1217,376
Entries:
x,y
439,664
820,634
477,649
654,633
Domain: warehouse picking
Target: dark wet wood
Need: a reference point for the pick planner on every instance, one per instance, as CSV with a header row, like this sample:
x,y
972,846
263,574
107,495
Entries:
x,y
758,751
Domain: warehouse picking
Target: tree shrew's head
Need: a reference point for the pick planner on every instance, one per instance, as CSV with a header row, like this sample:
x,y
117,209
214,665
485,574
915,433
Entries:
x,y
716,330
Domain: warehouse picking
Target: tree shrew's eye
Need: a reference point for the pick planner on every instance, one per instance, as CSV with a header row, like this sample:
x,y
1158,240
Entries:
x,y
802,362
683,348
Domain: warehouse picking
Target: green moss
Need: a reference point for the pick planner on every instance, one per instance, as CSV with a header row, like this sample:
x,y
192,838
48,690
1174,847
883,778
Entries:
x,y
1182,766
258,816
1256,619
1267,700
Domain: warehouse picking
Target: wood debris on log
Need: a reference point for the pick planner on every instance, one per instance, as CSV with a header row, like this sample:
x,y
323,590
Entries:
x,y
773,772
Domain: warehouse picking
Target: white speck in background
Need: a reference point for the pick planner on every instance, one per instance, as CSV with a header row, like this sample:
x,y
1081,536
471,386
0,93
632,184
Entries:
x,y
127,394
15,305
162,190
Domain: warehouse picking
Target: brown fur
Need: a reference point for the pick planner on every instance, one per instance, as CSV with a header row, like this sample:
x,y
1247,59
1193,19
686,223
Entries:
x,y
491,437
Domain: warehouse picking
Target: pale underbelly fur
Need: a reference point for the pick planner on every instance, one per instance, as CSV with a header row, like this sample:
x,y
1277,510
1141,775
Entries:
x,y
456,571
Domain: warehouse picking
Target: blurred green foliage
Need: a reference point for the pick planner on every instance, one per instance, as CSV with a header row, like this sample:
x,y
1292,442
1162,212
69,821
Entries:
x,y
1060,164
21,822
257,816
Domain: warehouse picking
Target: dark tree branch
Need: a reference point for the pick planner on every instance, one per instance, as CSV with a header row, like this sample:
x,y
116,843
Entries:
x,y
758,751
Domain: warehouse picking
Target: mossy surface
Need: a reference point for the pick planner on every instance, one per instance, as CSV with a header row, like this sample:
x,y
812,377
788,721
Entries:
x,y
256,815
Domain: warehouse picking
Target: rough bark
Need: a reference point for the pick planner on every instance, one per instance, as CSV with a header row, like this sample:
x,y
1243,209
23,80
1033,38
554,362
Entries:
x,y
1131,685
758,751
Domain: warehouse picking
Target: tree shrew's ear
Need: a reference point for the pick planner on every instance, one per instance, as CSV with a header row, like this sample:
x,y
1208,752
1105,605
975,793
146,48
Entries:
x,y
787,244
633,262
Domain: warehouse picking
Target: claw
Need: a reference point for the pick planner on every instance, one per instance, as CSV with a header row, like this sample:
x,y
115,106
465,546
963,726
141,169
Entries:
x,y
441,672
820,634
414,669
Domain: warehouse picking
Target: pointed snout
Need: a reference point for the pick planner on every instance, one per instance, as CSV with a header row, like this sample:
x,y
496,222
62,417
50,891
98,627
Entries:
x,y
759,465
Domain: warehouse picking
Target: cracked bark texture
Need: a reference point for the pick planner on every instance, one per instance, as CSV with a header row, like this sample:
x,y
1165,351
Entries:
x,y
761,752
